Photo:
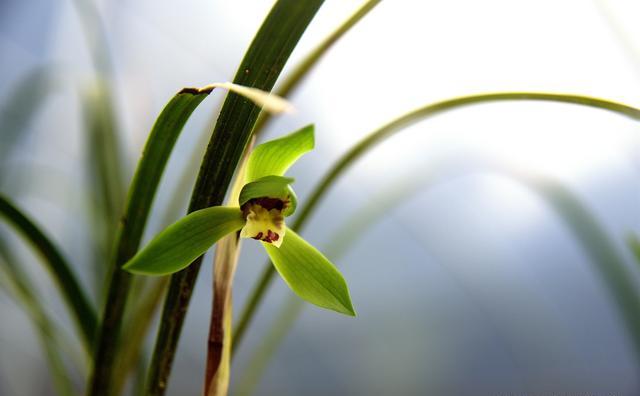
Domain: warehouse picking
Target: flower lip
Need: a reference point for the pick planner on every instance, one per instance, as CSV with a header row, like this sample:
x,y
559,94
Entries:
x,y
264,220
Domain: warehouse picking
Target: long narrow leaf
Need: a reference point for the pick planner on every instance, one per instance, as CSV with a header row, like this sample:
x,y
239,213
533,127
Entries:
x,y
74,296
260,68
157,150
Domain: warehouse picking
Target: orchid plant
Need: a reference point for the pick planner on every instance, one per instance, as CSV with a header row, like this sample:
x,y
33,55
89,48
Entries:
x,y
265,200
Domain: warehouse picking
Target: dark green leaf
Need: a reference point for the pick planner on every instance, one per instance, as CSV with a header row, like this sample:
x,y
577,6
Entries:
x,y
163,136
182,242
310,275
276,156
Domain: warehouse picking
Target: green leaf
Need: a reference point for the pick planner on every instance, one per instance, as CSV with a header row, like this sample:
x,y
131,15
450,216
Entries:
x,y
185,240
310,275
276,156
260,68
271,187
155,155
71,289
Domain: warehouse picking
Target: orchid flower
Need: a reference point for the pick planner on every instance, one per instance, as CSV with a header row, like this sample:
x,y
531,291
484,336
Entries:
x,y
265,200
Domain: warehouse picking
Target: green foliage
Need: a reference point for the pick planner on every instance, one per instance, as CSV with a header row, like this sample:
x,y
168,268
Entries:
x,y
310,275
260,68
155,155
276,156
182,242
66,280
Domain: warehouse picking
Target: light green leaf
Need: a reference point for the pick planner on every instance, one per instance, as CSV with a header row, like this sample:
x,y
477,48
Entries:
x,y
276,156
271,187
310,275
185,240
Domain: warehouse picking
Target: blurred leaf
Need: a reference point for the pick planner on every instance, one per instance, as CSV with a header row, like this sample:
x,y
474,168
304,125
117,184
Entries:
x,y
276,156
19,109
617,277
182,242
155,155
105,159
73,294
105,167
310,275
23,289
137,323
634,244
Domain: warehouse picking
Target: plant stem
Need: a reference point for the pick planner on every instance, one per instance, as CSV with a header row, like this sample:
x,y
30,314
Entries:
x,y
260,68
387,130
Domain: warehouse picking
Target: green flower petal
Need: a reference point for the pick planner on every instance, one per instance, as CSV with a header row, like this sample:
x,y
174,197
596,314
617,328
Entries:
x,y
271,187
182,242
310,275
276,156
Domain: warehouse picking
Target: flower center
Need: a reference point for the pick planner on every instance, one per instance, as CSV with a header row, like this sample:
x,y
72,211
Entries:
x,y
265,221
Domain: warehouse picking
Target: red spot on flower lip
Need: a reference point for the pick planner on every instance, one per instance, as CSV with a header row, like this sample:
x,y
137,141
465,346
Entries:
x,y
258,237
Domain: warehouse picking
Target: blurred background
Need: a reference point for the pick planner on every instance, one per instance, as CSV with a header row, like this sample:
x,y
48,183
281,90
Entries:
x,y
468,278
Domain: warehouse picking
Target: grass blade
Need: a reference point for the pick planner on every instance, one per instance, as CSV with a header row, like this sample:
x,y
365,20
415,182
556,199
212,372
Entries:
x,y
106,178
23,290
74,296
260,68
389,129
618,278
20,107
157,150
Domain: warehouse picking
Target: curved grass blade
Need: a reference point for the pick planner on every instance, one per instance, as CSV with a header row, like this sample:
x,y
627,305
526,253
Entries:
x,y
23,290
260,68
74,296
155,155
387,130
